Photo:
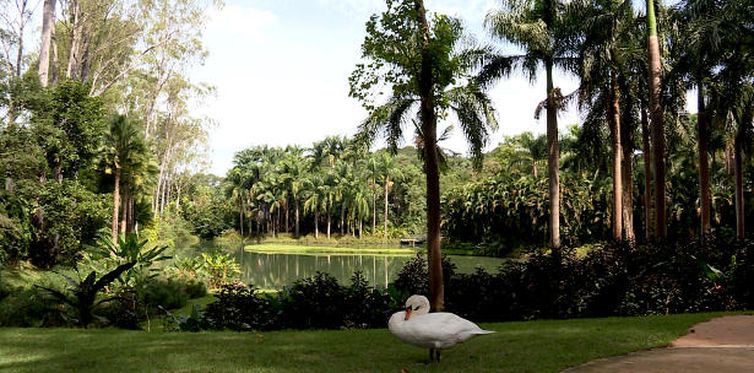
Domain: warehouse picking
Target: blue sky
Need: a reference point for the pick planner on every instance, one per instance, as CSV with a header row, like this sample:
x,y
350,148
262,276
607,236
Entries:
x,y
281,71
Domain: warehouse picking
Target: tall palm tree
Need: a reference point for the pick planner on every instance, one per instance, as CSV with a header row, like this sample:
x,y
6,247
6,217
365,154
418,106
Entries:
x,y
606,57
427,65
389,172
544,29
656,120
125,148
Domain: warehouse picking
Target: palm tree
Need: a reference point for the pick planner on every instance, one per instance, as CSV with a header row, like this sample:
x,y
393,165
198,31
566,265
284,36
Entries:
x,y
606,56
544,30
656,120
389,172
125,149
426,65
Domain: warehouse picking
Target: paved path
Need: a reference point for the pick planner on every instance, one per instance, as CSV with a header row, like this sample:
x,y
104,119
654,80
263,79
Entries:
x,y
721,345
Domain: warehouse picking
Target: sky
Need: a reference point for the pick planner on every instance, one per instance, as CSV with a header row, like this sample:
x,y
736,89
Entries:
x,y
281,67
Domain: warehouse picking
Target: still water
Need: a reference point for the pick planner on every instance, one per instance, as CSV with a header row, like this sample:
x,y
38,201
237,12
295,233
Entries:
x,y
273,271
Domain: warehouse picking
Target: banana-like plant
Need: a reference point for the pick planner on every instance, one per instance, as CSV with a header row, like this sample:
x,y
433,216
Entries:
x,y
82,295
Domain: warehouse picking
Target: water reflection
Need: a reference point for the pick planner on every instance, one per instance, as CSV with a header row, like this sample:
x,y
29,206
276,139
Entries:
x,y
273,271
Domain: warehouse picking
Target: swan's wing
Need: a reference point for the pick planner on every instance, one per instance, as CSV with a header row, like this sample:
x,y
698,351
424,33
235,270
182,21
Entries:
x,y
443,329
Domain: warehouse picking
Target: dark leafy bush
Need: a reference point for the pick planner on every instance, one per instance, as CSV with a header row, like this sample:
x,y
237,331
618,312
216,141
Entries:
x,y
413,278
238,307
366,306
314,303
27,308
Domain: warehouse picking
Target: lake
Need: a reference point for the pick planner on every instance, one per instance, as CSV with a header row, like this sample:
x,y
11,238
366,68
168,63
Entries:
x,y
274,270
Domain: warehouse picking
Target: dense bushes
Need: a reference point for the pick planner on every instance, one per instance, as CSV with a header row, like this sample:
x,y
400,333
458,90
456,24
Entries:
x,y
318,302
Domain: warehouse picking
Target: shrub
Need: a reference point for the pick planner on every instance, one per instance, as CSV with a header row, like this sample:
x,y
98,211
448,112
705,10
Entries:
x,y
238,307
366,306
221,268
313,303
28,307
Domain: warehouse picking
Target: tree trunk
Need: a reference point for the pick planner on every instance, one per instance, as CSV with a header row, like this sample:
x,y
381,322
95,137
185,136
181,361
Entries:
x,y
615,132
627,126
387,190
739,181
342,220
124,207
48,28
316,223
374,212
287,218
76,31
431,164
116,205
703,135
647,155
553,160
658,130
297,218
329,224
240,217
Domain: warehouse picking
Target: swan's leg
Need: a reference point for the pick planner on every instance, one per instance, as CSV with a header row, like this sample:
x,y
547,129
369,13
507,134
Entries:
x,y
431,355
437,354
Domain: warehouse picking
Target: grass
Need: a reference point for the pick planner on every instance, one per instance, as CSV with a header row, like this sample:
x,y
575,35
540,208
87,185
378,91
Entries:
x,y
300,249
536,346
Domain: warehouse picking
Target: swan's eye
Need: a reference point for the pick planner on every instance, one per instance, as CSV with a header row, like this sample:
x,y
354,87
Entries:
x,y
417,307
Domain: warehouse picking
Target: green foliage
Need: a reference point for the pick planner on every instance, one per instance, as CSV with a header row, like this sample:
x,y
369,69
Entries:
x,y
221,268
67,217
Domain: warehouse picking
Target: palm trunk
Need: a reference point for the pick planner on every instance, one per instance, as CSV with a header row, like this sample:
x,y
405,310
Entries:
x,y
627,125
739,181
124,210
329,224
387,190
48,28
316,223
287,218
374,212
615,132
647,155
429,129
116,205
553,161
240,217
658,130
297,218
704,167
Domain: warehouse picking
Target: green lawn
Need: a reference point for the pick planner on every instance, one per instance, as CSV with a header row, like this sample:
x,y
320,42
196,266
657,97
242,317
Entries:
x,y
538,346
301,249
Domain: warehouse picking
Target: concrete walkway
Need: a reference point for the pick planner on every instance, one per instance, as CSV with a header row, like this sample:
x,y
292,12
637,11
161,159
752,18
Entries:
x,y
721,345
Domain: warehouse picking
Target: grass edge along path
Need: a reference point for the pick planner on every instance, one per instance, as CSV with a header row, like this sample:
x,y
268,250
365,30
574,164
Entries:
x,y
274,248
534,346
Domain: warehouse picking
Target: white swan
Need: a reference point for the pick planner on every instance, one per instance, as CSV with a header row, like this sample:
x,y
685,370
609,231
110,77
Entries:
x,y
436,331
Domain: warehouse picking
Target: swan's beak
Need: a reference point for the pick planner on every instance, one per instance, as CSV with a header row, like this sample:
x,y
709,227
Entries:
x,y
408,313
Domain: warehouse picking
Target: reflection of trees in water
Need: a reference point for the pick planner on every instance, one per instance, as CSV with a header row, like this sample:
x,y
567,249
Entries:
x,y
273,271
278,270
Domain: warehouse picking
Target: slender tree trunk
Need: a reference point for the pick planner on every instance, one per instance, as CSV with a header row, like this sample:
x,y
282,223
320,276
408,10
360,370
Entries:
x,y
76,33
627,125
316,224
553,160
329,224
240,217
658,129
287,218
342,220
429,129
703,134
647,156
387,190
297,217
739,181
124,210
116,205
615,132
48,28
374,212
